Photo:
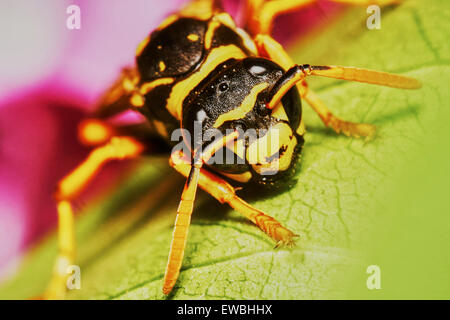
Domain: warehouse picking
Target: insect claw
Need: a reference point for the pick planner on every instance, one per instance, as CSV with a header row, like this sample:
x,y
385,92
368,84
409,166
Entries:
x,y
289,243
278,245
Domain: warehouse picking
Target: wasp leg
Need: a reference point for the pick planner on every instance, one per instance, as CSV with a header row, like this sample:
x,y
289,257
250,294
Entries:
x,y
353,129
120,95
271,48
94,132
260,14
201,9
225,193
66,245
68,188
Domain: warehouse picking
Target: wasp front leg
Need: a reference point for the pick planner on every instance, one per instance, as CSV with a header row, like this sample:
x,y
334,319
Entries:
x,y
225,193
68,188
270,48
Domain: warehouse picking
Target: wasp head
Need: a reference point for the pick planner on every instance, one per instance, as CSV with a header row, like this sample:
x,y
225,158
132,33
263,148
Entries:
x,y
233,99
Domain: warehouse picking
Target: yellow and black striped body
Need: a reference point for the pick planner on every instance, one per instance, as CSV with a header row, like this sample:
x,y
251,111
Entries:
x,y
206,69
177,56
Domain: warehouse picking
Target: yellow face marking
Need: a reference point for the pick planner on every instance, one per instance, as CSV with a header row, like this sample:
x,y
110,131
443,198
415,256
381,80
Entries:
x,y
247,104
183,88
192,37
162,66
286,158
142,46
259,153
280,113
279,164
149,86
213,25
137,100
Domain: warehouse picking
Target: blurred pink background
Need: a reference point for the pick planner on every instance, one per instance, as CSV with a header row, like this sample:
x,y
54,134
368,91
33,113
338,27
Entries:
x,y
51,76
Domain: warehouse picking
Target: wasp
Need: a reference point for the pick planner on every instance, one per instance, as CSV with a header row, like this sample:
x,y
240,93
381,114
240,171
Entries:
x,y
199,67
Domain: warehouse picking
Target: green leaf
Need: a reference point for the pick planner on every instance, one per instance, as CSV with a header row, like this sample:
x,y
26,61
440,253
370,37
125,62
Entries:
x,y
344,186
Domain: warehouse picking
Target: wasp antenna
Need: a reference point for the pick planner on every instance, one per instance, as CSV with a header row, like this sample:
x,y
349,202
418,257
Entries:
x,y
286,82
366,76
300,72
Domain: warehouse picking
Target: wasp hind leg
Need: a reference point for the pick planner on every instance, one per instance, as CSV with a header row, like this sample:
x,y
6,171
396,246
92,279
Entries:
x,y
68,188
260,14
225,193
